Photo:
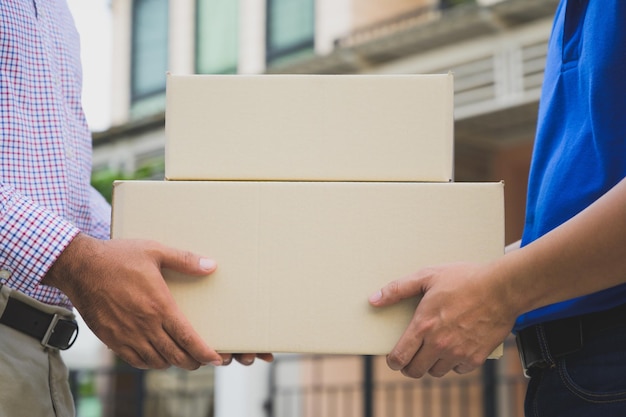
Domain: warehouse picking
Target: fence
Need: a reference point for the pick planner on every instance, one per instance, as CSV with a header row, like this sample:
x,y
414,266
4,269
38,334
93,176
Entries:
x,y
309,386
122,391
340,386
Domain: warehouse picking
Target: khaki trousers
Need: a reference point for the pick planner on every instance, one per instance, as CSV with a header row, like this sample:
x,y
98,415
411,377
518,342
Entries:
x,y
33,380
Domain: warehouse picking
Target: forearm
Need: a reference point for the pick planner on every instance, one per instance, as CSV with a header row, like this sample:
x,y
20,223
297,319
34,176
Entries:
x,y
584,255
67,273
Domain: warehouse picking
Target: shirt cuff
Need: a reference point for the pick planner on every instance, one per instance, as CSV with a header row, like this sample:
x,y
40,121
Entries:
x,y
32,240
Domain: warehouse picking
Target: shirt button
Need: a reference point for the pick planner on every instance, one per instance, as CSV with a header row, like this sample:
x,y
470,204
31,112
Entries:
x,y
5,274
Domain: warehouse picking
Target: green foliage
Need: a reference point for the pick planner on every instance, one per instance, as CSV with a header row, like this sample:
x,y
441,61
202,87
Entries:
x,y
445,4
102,180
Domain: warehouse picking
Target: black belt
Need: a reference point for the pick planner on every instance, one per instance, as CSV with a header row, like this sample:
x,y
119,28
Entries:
x,y
52,330
540,343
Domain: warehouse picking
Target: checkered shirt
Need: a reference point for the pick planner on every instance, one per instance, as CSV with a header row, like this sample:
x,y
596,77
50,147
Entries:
x,y
45,146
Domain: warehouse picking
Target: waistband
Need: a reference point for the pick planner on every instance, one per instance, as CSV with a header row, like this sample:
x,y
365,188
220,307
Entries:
x,y
55,327
540,345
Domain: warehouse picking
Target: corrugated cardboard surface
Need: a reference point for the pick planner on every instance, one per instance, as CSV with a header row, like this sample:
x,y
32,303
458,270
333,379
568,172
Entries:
x,y
297,260
309,127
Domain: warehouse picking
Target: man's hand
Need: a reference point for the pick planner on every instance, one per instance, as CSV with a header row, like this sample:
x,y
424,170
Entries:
x,y
459,321
119,291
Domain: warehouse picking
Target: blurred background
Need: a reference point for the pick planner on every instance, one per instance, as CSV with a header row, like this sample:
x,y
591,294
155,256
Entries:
x,y
496,50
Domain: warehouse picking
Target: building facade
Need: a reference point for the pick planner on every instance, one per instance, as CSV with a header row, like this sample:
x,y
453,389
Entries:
x,y
496,50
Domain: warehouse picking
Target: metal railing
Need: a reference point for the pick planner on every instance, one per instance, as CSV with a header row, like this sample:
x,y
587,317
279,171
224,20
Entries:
x,y
122,391
307,386
307,390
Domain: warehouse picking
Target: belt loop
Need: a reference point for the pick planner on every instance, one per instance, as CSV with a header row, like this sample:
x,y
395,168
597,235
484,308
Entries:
x,y
544,346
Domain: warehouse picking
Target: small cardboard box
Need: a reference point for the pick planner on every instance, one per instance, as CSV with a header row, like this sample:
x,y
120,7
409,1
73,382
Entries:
x,y
309,127
297,261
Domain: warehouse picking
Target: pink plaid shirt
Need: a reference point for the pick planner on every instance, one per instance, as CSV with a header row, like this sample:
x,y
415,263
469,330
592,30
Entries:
x,y
45,146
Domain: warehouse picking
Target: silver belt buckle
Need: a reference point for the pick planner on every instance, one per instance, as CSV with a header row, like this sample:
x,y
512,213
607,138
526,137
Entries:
x,y
45,341
48,334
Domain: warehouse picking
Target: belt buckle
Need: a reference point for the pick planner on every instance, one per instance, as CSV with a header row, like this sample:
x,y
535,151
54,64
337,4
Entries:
x,y
522,357
45,341
525,348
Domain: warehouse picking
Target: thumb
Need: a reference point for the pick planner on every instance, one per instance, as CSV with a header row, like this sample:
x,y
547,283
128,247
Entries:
x,y
187,262
398,290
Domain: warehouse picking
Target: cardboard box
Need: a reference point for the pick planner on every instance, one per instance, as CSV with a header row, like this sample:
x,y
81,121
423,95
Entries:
x,y
298,260
309,127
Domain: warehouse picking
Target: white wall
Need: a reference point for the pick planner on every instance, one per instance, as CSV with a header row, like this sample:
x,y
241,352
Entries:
x,y
182,26
93,22
333,20
120,75
240,391
251,36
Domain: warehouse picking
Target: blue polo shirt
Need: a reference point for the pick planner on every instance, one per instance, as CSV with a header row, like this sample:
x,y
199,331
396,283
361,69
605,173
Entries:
x,y
580,145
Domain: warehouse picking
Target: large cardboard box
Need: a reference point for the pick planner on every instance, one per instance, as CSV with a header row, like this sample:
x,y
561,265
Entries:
x,y
309,127
298,260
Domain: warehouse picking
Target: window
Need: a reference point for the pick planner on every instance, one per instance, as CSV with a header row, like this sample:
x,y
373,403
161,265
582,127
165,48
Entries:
x,y
290,28
217,36
149,52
